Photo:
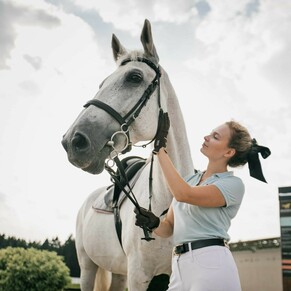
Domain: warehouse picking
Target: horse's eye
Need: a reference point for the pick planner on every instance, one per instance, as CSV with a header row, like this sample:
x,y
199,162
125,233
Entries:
x,y
134,77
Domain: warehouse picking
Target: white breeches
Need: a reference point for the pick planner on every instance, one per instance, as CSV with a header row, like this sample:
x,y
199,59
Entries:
x,y
207,269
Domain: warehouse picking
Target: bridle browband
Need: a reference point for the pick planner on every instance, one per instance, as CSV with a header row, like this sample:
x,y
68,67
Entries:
x,y
133,113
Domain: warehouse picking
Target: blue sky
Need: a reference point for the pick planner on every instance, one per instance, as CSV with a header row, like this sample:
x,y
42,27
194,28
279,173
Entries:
x,y
226,60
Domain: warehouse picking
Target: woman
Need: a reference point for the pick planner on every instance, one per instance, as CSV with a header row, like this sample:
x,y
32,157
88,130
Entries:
x,y
203,206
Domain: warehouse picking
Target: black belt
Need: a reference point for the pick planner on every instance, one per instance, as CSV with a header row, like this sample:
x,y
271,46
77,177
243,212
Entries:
x,y
186,247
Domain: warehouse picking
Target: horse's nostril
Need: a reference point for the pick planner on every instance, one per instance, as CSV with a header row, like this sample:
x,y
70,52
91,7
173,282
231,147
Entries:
x,y
79,142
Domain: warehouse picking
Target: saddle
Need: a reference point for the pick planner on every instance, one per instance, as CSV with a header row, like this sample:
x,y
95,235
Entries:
x,y
114,196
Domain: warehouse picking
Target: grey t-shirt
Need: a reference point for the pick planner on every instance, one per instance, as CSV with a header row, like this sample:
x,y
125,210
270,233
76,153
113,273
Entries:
x,y
193,222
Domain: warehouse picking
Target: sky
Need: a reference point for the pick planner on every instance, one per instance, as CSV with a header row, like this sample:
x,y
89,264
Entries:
x,y
226,60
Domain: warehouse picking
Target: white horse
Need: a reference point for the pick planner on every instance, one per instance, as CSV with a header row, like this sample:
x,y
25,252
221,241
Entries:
x,y
137,261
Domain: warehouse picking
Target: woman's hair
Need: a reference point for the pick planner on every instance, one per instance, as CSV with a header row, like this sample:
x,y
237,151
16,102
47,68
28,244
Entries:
x,y
241,141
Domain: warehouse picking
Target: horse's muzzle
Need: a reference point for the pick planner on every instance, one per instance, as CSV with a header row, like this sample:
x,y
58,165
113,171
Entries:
x,y
80,143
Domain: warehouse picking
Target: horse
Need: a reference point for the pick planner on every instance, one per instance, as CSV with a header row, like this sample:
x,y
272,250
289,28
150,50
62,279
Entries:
x,y
116,119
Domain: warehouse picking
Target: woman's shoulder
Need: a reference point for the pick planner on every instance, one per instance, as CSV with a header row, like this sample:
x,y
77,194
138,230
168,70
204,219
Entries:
x,y
229,181
235,179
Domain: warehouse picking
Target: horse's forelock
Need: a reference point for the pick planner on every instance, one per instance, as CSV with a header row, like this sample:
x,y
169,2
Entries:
x,y
134,55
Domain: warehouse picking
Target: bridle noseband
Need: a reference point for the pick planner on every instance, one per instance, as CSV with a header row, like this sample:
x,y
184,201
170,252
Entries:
x,y
134,112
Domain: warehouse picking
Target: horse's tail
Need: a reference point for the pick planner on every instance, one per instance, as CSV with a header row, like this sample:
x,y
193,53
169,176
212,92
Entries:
x,y
102,280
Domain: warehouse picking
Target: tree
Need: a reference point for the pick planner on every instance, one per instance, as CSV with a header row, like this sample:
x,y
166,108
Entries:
x,y
68,251
33,270
12,241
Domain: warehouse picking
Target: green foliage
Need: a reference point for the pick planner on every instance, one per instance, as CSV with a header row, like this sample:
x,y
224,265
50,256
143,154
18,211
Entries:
x,y
32,270
66,250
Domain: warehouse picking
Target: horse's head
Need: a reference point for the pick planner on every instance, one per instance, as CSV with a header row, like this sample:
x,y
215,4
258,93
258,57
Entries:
x,y
123,112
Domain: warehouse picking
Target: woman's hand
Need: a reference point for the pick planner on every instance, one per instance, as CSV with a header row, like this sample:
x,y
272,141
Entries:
x,y
146,219
162,132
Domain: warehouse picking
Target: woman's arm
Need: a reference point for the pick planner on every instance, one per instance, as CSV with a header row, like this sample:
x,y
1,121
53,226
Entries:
x,y
165,229
205,196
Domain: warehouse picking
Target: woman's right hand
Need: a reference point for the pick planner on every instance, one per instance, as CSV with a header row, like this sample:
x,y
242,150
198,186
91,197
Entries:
x,y
162,132
146,219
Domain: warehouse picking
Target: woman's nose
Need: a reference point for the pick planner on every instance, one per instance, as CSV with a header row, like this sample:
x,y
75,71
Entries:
x,y
206,137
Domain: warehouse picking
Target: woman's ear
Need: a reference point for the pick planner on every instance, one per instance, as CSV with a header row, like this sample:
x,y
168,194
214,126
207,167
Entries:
x,y
230,153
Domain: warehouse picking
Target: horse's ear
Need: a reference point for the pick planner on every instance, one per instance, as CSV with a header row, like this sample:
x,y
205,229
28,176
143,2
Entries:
x,y
147,41
117,48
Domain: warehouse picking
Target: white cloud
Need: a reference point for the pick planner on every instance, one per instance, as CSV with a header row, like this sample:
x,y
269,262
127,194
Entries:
x,y
123,15
166,11
36,62
13,14
234,40
129,15
246,56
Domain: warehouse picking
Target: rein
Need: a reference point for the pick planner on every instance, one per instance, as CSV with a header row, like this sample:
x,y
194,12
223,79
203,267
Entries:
x,y
121,181
125,122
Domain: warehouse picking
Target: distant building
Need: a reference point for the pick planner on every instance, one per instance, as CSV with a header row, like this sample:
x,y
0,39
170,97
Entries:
x,y
265,265
285,222
259,264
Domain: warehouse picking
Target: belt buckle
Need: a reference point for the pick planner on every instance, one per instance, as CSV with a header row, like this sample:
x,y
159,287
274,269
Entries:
x,y
180,247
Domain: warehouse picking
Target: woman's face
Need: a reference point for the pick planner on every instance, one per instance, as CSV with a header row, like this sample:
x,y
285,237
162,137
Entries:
x,y
215,145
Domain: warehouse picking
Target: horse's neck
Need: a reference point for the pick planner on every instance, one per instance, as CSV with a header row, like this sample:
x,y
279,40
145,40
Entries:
x,y
178,148
177,145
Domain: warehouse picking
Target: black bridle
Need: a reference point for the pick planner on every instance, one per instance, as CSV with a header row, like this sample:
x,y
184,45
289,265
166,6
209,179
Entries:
x,y
125,122
133,113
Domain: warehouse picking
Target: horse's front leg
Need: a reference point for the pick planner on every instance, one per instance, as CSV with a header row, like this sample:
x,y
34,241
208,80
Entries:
x,y
118,282
137,279
156,283
150,266
88,274
140,273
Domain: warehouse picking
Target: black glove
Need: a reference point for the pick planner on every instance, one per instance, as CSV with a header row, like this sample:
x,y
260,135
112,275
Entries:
x,y
162,132
146,219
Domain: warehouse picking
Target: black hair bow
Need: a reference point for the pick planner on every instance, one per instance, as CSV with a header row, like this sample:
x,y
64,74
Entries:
x,y
254,161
